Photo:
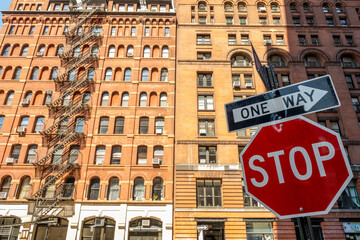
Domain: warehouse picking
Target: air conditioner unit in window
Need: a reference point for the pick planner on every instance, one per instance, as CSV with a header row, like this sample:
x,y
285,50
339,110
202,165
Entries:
x,y
159,131
99,222
130,54
236,84
156,161
262,10
21,129
202,132
10,160
248,85
139,198
25,102
39,54
3,195
202,160
145,223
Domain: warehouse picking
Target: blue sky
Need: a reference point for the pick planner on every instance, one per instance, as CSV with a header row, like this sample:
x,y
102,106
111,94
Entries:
x,y
4,5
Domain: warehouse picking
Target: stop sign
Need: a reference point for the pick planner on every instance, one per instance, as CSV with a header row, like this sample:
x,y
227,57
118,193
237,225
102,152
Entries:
x,y
295,168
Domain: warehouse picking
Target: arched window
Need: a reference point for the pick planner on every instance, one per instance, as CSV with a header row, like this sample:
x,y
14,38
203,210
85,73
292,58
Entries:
x,y
9,98
79,126
158,189
111,51
2,118
242,7
76,52
143,100
39,124
66,100
24,122
202,6
6,185
144,125
27,98
6,51
100,155
31,154
153,228
60,50
48,97
108,74
50,190
104,230
307,7
15,152
94,51
24,51
104,125
145,75
339,8
326,8
146,52
10,232
261,7
130,51
94,189
17,73
349,62
24,188
104,99
68,187
165,52
127,75
139,189
41,51
228,7
54,73
114,189
274,7
164,75
313,61
159,125
293,7
163,100
71,76
141,155
57,157
240,61
51,228
115,155
277,61
125,100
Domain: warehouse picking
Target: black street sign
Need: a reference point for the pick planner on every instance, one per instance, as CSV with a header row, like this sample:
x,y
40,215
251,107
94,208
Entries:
x,y
298,99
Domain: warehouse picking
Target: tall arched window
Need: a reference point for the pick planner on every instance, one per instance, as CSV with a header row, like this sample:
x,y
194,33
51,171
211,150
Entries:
x,y
100,155
240,61
313,61
111,51
164,75
6,51
54,73
165,52
139,189
39,124
115,155
74,153
293,7
104,229
67,190
339,8
31,154
261,7
125,100
24,51
104,125
307,7
163,100
277,61
24,188
9,98
108,74
114,188
76,52
79,126
349,62
119,125
242,7
228,7
2,118
41,51
143,100
24,122
6,185
146,52
202,6
17,73
326,8
158,189
127,75
274,7
60,50
130,51
141,155
57,157
94,189
104,99
144,125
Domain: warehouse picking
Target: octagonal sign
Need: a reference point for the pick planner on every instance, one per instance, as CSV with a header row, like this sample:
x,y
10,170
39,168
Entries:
x,y
295,168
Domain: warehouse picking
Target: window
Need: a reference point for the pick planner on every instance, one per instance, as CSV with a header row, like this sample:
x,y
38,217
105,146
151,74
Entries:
x,y
202,6
314,40
12,29
312,61
244,39
207,154
130,51
111,51
293,7
74,154
146,52
349,81
205,102
24,188
159,125
115,155
71,76
114,189
141,155
204,80
101,231
326,8
335,126
2,118
261,7
202,19
130,8
240,61
336,39
153,8
144,125
208,192
121,8
139,189
276,20
108,74
100,155
203,39
125,100
145,75
113,31
79,126
65,8
302,227
163,100
242,7
277,61
127,75
9,98
229,20
10,232
95,51
162,8
31,154
6,186
306,7
6,51
133,31
243,20
34,73
232,39
356,104
94,189
119,125
60,50
249,201
204,56
45,31
39,124
296,21
302,40
56,7
159,153
348,62
164,75
339,8
104,99
274,7
262,20
158,189
167,32
91,73
24,122
66,30
349,41
267,40
228,7
54,73
147,31
31,31
143,100
15,152
165,52
330,21
20,6
63,126
206,127
259,230
57,157
104,124
310,21
349,199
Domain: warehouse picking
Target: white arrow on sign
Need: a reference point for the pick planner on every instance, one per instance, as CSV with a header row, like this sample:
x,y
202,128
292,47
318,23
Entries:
x,y
306,97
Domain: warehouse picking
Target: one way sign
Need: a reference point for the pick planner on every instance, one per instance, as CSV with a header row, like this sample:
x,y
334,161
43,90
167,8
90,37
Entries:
x,y
298,99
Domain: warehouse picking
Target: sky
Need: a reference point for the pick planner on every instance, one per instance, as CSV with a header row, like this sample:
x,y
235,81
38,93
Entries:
x,y
4,5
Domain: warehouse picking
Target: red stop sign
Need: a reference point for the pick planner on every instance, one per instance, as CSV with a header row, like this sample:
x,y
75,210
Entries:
x,y
296,168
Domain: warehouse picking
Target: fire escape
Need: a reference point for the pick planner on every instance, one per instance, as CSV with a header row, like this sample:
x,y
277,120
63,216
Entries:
x,y
74,86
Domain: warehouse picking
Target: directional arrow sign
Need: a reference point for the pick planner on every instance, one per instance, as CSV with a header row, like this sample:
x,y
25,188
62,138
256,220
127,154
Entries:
x,y
302,98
